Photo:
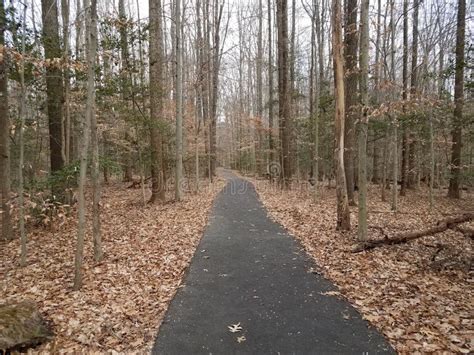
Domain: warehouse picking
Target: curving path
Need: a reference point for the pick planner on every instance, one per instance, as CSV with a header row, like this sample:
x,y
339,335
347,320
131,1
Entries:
x,y
248,270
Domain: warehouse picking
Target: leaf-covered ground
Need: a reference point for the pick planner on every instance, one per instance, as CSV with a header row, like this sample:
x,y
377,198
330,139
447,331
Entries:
x,y
419,294
124,298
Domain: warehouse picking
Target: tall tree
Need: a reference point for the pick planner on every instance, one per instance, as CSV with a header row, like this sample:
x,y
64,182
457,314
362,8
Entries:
x,y
343,213
413,91
54,85
179,101
270,83
363,122
455,180
4,132
283,91
91,55
66,127
394,121
259,67
215,58
124,82
351,93
22,112
404,177
156,99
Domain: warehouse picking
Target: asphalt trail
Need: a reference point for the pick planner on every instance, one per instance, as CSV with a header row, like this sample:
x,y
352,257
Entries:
x,y
249,270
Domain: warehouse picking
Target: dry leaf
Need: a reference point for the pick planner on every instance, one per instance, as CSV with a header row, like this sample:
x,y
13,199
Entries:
x,y
235,328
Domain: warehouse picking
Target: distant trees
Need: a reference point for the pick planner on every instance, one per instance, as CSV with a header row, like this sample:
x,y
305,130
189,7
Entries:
x,y
211,98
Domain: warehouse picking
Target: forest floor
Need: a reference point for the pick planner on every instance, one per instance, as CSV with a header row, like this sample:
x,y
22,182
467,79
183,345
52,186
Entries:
x,y
419,294
124,297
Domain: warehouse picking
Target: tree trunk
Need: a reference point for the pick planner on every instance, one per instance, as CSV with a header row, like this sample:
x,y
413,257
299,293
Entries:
x,y
66,127
314,99
22,112
259,67
283,91
179,102
404,98
413,89
54,86
343,213
157,85
125,85
350,82
270,86
363,123
455,180
393,121
4,134
96,225
91,14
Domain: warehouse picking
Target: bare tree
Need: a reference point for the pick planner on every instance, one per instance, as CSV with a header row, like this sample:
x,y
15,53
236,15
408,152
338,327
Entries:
x,y
455,180
179,101
283,90
363,122
22,112
351,94
394,121
91,41
54,86
343,213
4,133
156,100
270,84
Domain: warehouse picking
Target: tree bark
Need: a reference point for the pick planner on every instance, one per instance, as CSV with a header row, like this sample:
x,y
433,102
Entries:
x,y
156,100
283,91
91,41
22,112
179,102
404,177
351,93
413,90
270,86
394,121
343,213
95,171
454,190
54,86
363,122
4,133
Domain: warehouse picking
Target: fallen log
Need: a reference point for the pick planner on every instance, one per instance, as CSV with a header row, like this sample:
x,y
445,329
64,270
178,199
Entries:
x,y
136,183
441,226
22,327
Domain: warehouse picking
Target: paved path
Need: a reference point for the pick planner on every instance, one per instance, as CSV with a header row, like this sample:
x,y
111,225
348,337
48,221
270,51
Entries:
x,y
248,270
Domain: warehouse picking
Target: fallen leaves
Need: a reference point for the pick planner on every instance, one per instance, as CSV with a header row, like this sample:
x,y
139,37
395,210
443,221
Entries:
x,y
234,328
419,294
124,298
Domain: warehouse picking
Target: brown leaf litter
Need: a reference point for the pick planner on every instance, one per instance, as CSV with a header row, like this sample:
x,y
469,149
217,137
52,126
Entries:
x,y
124,298
418,294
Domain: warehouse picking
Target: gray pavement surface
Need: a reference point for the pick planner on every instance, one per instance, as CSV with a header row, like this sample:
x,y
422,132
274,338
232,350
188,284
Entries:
x,y
249,271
